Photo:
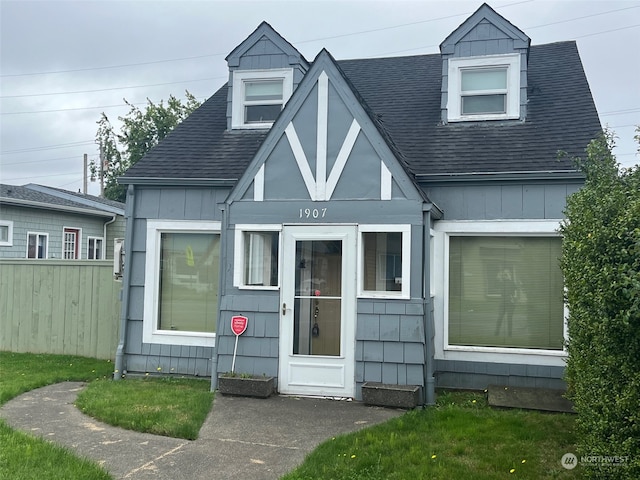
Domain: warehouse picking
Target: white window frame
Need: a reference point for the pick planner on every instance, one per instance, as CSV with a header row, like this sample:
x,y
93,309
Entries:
x,y
491,228
95,239
46,250
240,77
78,244
9,241
238,254
150,331
454,93
405,292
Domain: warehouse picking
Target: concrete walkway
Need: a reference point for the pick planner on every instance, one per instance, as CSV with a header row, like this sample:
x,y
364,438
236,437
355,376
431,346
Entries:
x,y
242,438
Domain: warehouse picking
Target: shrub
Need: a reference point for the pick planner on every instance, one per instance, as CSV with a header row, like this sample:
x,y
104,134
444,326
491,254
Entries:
x,y
601,265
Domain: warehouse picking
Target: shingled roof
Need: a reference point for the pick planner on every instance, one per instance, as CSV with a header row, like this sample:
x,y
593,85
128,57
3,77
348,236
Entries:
x,y
36,196
404,94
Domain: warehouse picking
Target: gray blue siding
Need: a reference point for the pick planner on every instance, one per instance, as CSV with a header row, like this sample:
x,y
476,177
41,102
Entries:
x,y
189,203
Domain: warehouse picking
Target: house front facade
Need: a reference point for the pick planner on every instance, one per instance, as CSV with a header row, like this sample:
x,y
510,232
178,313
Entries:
x,y
384,220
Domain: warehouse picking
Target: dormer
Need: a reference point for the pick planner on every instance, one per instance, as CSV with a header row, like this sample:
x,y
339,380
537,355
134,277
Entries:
x,y
264,70
484,70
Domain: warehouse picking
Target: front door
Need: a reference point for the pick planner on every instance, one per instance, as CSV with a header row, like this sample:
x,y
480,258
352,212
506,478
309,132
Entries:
x,y
318,311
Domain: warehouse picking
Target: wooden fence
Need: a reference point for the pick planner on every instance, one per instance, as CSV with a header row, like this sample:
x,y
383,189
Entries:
x,y
59,306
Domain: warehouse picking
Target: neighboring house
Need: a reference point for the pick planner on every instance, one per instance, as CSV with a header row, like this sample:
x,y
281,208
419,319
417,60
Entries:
x,y
38,222
377,220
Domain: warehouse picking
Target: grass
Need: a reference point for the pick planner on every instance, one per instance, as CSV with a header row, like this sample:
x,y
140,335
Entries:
x,y
25,456
173,407
462,437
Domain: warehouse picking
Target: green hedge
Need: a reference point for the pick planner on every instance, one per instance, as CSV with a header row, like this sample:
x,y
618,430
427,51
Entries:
x,y
601,265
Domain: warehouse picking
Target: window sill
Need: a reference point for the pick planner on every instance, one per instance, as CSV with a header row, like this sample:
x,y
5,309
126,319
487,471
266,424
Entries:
x,y
191,339
384,295
521,356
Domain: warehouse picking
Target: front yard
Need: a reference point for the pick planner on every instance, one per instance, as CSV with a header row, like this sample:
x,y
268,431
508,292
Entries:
x,y
461,437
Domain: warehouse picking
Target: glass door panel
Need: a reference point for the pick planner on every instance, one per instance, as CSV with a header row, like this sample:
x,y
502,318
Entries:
x,y
318,298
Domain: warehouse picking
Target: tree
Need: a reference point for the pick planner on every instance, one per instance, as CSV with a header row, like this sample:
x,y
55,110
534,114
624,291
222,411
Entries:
x,y
601,265
141,130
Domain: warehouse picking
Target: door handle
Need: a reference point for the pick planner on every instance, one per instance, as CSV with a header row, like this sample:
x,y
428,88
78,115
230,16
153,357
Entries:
x,y
284,309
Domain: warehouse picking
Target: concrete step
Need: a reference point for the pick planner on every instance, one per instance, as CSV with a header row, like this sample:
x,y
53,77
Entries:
x,y
529,398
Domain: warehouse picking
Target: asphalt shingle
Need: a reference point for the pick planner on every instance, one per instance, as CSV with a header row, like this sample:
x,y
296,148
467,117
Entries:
x,y
403,94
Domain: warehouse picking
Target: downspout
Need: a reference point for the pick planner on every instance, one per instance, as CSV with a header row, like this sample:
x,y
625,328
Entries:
x,y
429,380
104,234
224,231
128,242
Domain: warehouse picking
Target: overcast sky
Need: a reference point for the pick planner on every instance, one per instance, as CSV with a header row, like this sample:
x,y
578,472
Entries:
x,y
63,63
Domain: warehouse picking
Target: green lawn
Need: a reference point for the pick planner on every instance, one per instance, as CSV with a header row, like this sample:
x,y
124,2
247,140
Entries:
x,y
25,456
173,407
461,438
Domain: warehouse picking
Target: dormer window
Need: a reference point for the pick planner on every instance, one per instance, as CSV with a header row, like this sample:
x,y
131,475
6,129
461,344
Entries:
x,y
259,96
484,88
483,91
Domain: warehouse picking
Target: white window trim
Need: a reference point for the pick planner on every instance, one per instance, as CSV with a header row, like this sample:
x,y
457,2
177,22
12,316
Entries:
x,y
102,252
403,294
445,229
238,254
237,100
46,250
511,61
150,332
9,225
78,242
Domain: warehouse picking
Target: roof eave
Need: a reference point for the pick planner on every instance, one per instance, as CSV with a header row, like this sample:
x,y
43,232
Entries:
x,y
50,206
173,181
555,175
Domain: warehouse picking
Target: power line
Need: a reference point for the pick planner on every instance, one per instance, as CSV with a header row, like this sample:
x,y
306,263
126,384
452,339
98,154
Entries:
x,y
48,147
620,112
84,108
361,32
110,89
5,164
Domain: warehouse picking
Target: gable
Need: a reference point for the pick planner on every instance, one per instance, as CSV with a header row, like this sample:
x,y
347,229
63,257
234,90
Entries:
x,y
323,147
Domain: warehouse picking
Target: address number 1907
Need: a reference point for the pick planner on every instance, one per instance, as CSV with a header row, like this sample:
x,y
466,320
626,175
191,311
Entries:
x,y
313,212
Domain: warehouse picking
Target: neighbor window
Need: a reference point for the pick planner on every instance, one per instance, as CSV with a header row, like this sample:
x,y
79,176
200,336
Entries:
x,y
385,260
37,245
484,88
259,96
256,261
505,291
94,248
181,282
71,244
6,233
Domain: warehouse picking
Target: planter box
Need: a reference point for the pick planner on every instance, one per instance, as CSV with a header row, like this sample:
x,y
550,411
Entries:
x,y
260,387
391,395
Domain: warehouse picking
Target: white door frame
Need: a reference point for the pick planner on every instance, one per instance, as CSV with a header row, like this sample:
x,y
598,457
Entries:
x,y
332,376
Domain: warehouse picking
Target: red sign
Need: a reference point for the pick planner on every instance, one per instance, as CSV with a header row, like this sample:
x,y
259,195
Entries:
x,y
239,324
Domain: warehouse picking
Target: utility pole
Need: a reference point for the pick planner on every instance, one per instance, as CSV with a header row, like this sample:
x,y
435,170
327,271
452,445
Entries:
x,y
101,171
84,176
